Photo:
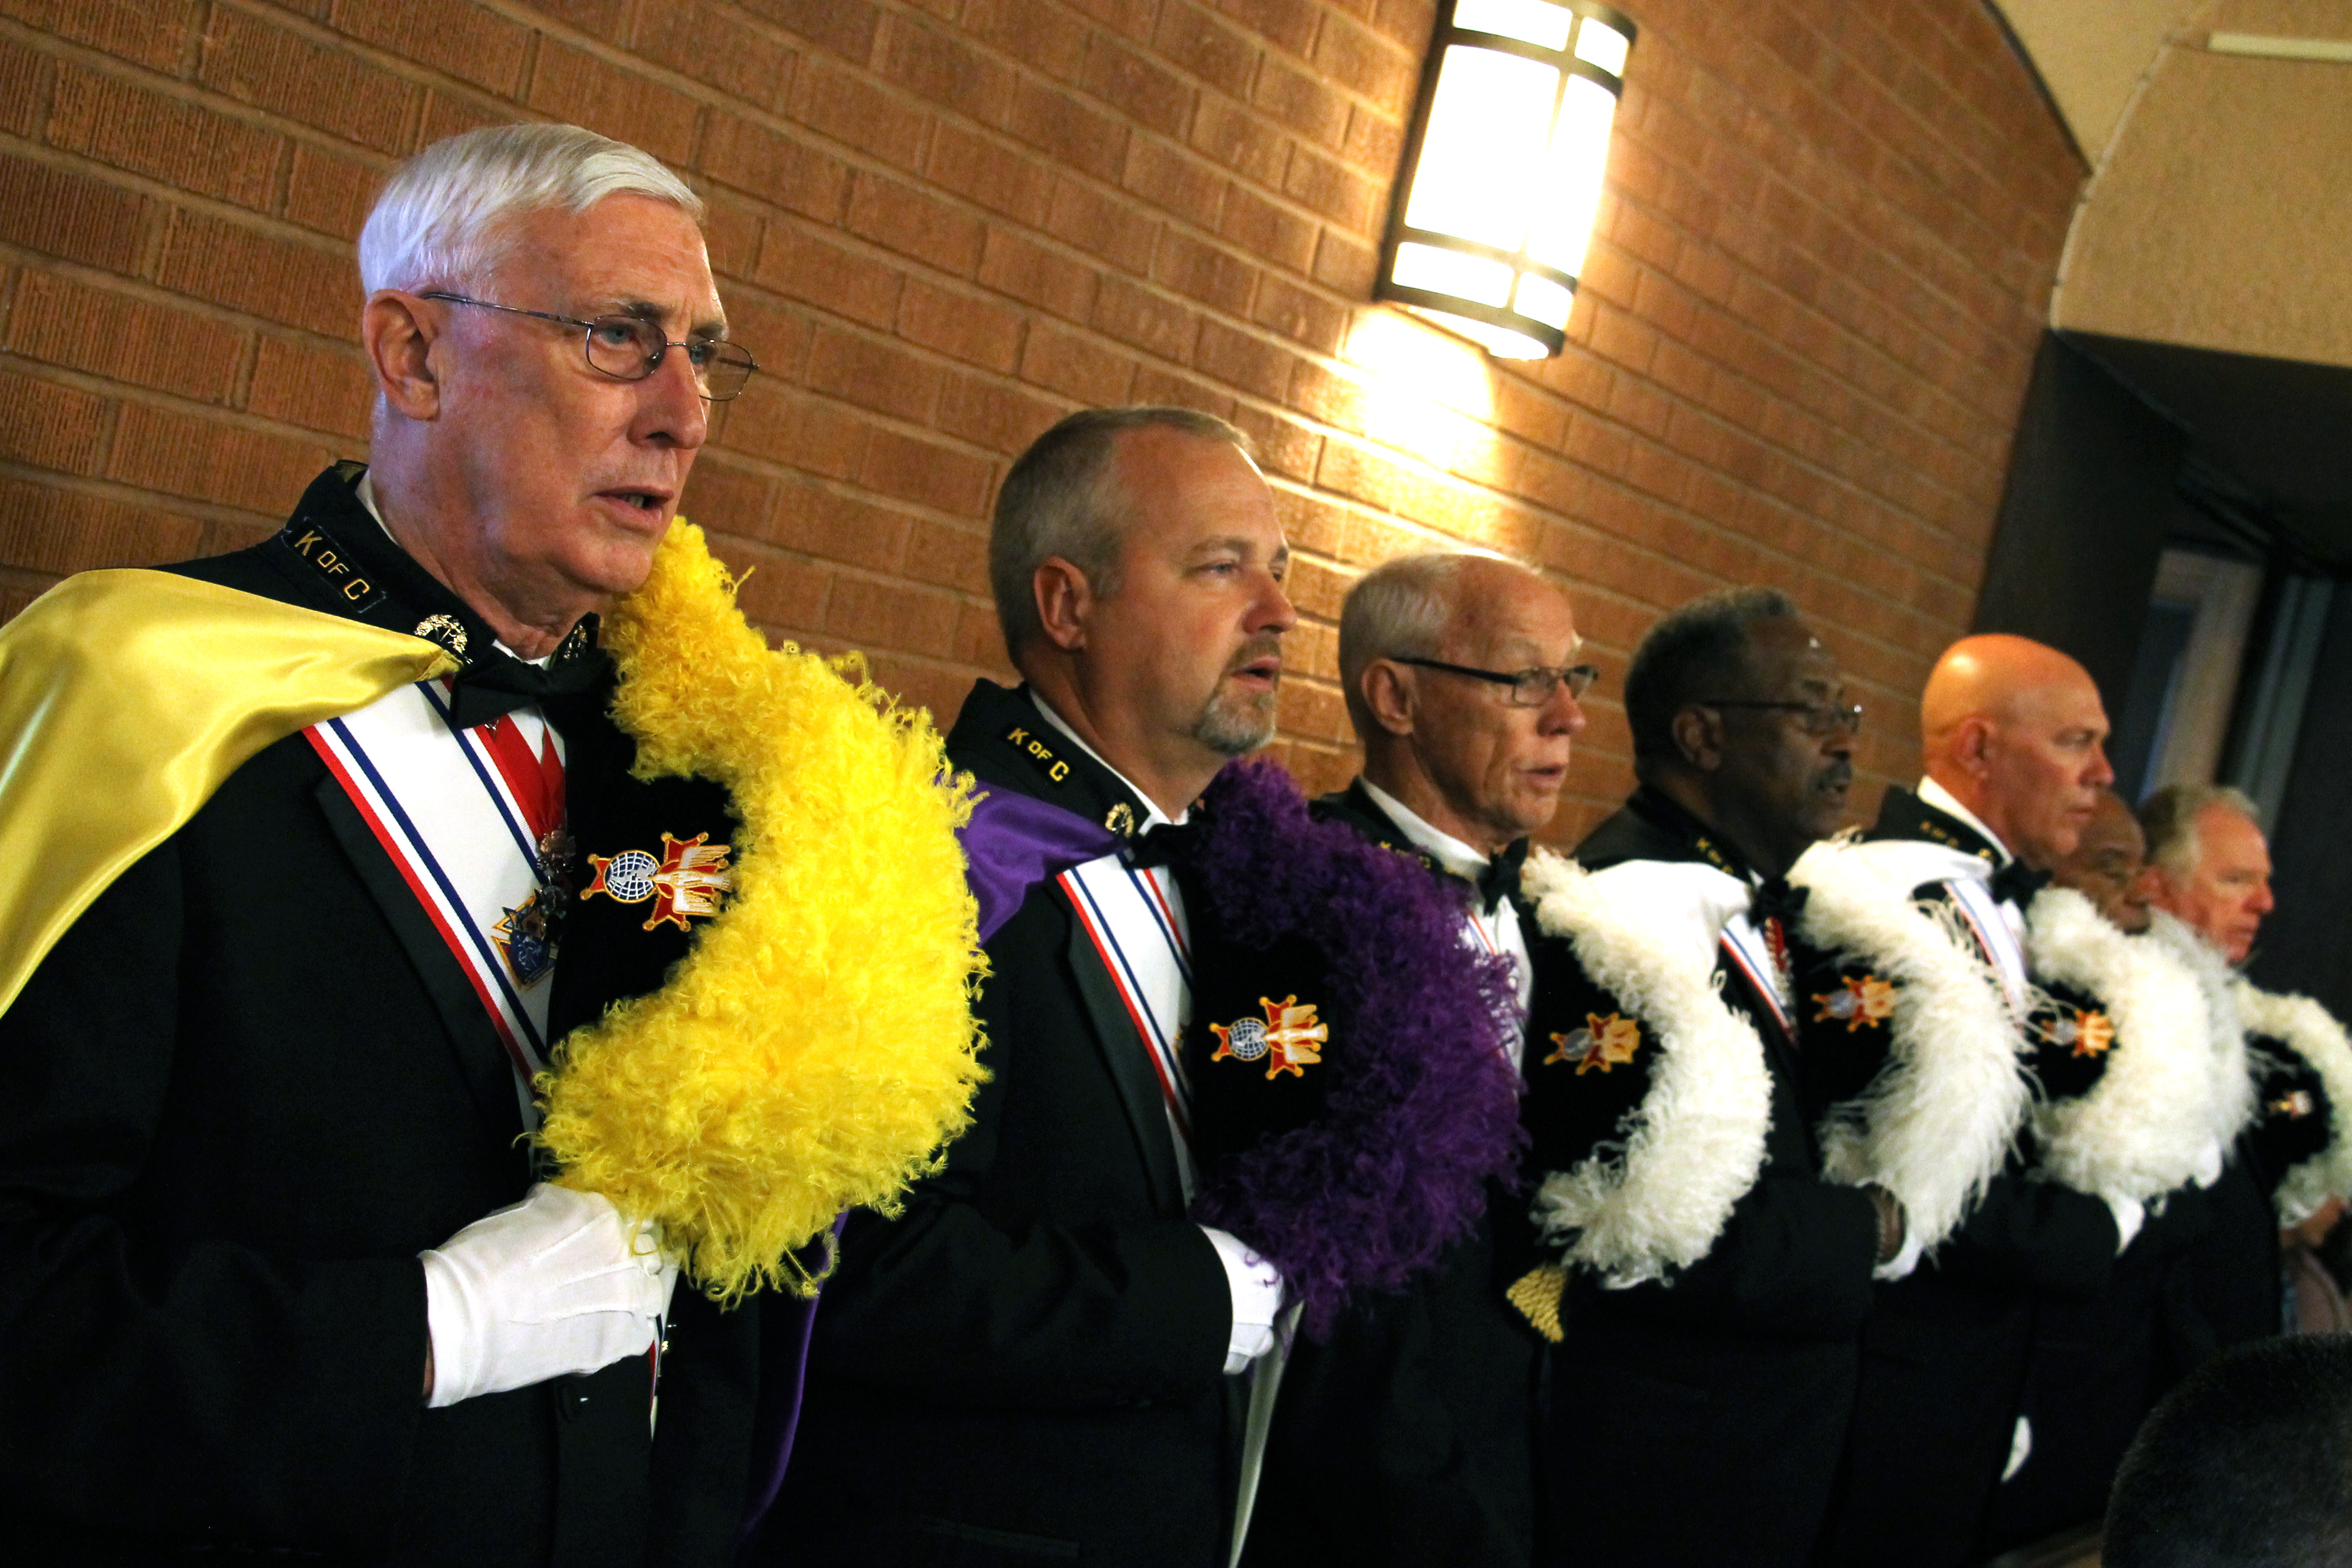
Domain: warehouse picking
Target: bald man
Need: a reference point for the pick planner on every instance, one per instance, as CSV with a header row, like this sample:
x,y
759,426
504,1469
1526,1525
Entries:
x,y
1406,1440
1912,1035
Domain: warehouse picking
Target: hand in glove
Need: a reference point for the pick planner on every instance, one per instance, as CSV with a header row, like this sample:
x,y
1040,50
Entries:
x,y
557,1283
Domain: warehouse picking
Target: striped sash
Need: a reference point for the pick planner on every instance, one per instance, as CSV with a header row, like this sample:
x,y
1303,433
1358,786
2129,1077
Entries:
x,y
1135,918
1748,949
1998,944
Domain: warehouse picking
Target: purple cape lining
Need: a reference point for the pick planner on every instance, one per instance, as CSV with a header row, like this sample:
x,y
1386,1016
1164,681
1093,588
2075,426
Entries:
x,y
1422,1110
1014,841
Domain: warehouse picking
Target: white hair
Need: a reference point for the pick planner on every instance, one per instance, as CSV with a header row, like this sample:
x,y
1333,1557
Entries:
x,y
1399,609
2169,817
444,215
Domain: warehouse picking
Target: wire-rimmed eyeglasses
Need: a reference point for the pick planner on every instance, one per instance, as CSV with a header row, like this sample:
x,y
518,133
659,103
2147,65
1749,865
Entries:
x,y
629,348
1530,688
1821,719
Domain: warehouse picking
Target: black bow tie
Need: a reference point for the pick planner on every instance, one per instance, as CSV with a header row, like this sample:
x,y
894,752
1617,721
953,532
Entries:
x,y
2017,883
499,684
1500,879
1167,843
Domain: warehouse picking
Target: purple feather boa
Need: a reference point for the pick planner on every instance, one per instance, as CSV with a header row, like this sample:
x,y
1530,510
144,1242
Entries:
x,y
1421,1108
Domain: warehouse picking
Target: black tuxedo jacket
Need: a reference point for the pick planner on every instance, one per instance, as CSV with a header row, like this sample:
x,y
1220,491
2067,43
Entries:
x,y
1944,1350
1027,1366
237,1099
1700,1420
1406,1438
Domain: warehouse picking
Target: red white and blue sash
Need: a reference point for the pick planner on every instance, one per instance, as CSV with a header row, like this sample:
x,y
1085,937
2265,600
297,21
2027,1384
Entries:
x,y
1994,938
1135,918
435,798
1751,952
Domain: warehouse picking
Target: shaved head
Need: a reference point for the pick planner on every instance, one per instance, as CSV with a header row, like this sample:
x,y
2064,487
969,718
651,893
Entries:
x,y
2016,731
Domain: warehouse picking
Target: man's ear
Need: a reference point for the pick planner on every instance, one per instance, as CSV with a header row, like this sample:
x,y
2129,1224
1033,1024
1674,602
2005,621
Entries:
x,y
1972,746
1699,736
1388,694
399,342
1065,603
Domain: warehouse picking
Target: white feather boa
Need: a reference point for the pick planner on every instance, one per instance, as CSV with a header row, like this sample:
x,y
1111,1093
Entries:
x,y
1938,1122
2230,1102
1655,1201
2312,1032
2147,1125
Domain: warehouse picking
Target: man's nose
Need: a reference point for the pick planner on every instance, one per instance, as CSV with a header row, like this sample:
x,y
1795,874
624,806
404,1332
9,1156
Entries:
x,y
2101,776
1274,610
672,411
2261,903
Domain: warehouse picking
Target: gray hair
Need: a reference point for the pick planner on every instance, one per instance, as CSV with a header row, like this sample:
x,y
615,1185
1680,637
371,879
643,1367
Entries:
x,y
1061,498
442,218
2169,817
1398,610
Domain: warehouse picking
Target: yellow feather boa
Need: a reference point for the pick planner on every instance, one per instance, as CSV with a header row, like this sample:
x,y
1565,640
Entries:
x,y
815,1046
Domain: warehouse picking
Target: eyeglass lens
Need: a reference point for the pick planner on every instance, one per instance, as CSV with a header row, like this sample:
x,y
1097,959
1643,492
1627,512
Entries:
x,y
1533,687
629,350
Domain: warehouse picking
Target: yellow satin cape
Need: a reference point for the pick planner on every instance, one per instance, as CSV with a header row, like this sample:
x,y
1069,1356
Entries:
x,y
126,698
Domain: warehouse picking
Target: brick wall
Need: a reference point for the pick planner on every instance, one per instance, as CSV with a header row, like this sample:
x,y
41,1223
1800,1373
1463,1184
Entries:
x,y
1803,337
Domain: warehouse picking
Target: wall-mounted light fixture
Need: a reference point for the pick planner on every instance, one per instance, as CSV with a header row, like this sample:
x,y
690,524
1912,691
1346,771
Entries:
x,y
1502,172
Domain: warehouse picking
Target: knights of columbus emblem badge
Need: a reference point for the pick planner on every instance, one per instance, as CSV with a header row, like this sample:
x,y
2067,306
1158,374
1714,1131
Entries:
x,y
2294,1105
1868,1000
1603,1043
1290,1033
689,879
2088,1029
526,938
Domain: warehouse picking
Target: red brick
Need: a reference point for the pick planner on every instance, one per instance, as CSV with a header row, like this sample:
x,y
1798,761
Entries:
x,y
1368,65
63,213
873,374
450,114
1327,186
725,497
942,69
183,454
462,39
779,591
122,338
1407,21
962,326
848,108
845,28
732,231
1193,40
152,33
26,79
905,220
878,615
1175,182
44,529
1285,24
1042,37
791,173
1245,363
168,138
777,335
926,473
1069,131
1000,178
253,62
774,420
1152,322
1273,234
843,528
950,557
1231,135
1301,314
571,84
991,415
1374,144
1302,101
1046,279
716,46
1076,367
329,192
853,283
1168,388
1216,278
1103,226
606,19
313,387
47,426
276,279
1138,87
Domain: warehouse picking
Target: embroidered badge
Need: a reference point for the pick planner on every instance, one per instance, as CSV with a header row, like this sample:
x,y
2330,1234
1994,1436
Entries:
x,y
687,881
2295,1106
1120,819
526,938
1290,1035
1603,1043
444,630
2089,1031
1868,1000
342,578
1037,752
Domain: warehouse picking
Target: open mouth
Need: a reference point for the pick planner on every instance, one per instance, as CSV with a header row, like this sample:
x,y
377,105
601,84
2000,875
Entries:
x,y
1266,674
648,501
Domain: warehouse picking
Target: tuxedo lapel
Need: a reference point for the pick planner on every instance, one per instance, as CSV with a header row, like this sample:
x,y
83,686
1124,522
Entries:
x,y
1128,1061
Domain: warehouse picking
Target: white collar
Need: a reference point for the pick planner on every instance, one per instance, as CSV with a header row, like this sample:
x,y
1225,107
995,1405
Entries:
x,y
1947,803
365,490
1450,853
1153,816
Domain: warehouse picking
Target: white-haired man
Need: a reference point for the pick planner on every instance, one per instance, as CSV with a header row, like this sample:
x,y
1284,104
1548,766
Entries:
x,y
276,1275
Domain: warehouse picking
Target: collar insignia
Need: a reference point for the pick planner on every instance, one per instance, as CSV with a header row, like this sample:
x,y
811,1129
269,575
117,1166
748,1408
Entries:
x,y
342,576
444,630
1290,1035
1119,819
2088,1030
1863,1000
1603,1043
1037,752
686,881
2293,1105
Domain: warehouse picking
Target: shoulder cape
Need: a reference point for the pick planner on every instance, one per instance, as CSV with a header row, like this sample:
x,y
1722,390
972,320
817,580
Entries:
x,y
2230,1102
126,699
2311,1033
1653,1198
2145,1126
1944,1091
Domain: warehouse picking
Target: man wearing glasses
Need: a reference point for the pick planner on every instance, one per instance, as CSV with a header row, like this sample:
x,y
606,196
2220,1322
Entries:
x,y
277,1274
1406,1438
1710,1286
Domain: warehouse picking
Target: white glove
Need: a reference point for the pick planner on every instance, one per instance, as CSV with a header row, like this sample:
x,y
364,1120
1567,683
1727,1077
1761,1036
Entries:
x,y
1257,1288
557,1283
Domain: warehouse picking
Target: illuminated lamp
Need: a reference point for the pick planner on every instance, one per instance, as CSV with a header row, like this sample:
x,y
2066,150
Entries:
x,y
1502,173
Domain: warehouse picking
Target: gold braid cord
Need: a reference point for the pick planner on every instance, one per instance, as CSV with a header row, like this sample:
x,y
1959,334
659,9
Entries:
x,y
815,1047
1536,1296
